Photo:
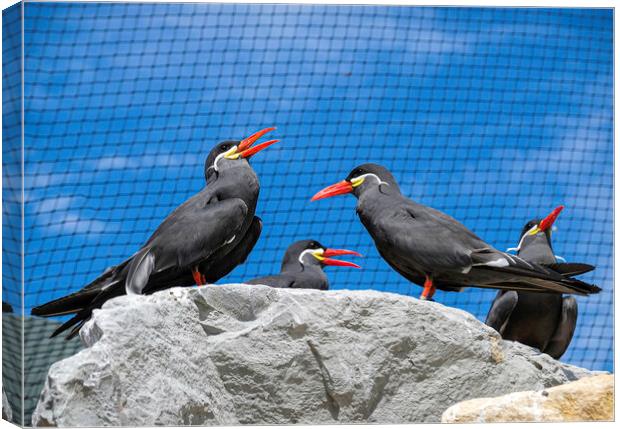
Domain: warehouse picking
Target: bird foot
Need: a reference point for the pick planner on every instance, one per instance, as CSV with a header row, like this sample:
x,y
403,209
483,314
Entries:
x,y
429,289
198,277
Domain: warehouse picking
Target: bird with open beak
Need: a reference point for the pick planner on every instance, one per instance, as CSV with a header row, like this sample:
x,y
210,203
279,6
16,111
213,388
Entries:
x,y
200,241
303,264
545,321
434,250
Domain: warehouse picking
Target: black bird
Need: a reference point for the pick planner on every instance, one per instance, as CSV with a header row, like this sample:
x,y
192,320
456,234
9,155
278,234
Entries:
x,y
545,321
432,249
302,266
200,241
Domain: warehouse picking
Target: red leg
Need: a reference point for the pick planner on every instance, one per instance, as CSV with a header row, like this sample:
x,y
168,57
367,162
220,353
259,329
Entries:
x,y
429,289
198,278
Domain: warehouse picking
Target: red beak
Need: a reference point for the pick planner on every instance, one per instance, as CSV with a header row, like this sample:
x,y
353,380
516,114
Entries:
x,y
339,188
245,148
249,141
254,150
547,222
335,252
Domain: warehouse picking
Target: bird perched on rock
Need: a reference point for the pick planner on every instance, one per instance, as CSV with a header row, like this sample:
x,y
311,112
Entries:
x,y
434,250
545,321
200,241
302,266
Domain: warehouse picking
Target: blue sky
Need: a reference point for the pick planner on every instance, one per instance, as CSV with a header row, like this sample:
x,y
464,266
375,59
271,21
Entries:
x,y
494,116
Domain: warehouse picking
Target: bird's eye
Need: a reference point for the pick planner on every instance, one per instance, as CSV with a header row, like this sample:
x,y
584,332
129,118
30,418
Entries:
x,y
225,147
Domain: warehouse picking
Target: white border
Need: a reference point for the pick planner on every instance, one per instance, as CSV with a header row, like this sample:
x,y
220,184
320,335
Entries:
x,y
481,3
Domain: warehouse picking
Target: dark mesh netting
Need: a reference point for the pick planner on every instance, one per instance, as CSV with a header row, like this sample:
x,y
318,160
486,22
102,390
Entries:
x,y
494,116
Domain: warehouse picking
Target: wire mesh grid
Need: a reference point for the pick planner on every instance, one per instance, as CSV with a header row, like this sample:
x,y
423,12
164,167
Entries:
x,y
493,115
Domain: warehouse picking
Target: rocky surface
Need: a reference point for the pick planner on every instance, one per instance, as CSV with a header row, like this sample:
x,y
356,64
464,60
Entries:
x,y
588,399
252,354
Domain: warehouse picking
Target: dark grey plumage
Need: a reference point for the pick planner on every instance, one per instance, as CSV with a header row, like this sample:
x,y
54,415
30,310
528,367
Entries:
x,y
301,269
429,247
204,238
220,266
541,320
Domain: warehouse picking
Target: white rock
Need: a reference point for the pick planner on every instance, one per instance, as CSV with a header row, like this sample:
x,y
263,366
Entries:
x,y
252,354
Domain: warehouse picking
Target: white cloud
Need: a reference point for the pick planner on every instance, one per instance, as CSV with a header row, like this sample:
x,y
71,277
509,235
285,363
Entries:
x,y
50,205
115,162
56,216
72,223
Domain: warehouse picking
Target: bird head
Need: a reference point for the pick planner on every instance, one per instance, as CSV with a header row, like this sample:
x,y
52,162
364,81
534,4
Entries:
x,y
538,229
311,252
545,225
359,180
232,153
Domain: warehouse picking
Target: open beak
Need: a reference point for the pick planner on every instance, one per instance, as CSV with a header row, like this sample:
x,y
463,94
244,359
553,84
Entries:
x,y
325,257
340,188
547,222
245,148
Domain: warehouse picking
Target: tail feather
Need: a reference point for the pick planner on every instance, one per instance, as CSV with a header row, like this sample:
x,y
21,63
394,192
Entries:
x,y
570,268
76,329
69,323
81,316
548,281
81,299
518,271
82,303
526,285
581,285
66,305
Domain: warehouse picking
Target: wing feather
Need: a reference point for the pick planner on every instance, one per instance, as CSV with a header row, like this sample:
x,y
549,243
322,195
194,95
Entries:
x,y
197,233
423,238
